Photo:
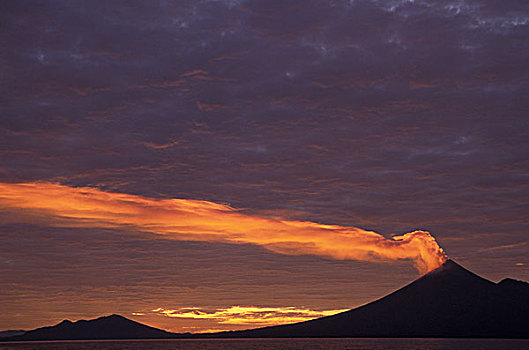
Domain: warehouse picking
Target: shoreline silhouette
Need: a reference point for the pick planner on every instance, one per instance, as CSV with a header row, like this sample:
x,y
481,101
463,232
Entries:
x,y
448,302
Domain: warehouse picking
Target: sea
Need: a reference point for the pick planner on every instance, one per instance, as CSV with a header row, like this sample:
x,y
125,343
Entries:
x,y
277,344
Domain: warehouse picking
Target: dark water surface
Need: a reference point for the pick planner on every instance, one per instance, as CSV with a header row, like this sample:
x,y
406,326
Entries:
x,y
277,344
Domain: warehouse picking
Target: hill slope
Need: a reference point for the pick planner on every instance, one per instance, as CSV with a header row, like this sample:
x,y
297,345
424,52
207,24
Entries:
x,y
108,327
447,302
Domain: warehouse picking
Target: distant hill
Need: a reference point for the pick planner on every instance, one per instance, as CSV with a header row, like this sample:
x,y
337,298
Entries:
x,y
108,327
11,333
447,302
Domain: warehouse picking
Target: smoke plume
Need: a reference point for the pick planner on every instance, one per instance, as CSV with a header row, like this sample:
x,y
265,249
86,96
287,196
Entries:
x,y
194,220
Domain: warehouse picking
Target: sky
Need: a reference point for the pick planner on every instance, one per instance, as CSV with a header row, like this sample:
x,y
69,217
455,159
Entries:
x,y
228,164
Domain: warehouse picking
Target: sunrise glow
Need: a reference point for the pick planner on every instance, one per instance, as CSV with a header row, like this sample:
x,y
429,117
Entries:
x,y
249,315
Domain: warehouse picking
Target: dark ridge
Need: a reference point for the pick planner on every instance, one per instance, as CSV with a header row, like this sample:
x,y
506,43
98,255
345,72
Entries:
x,y
106,327
65,322
448,302
11,333
508,282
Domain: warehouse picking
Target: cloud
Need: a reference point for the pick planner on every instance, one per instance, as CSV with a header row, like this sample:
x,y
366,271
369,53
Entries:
x,y
249,315
348,136
161,146
194,220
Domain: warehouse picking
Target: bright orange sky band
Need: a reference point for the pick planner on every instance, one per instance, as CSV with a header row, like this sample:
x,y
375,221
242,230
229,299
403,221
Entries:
x,y
194,220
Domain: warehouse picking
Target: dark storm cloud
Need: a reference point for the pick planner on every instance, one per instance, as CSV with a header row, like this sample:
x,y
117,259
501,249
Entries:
x,y
388,115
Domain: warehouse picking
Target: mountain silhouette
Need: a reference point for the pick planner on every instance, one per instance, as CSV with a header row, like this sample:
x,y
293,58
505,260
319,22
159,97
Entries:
x,y
11,333
107,327
450,301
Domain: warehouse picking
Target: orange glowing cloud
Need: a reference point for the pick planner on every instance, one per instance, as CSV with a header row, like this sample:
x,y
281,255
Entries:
x,y
250,315
195,220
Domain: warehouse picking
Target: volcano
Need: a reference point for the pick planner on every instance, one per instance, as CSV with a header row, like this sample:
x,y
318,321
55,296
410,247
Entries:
x,y
450,301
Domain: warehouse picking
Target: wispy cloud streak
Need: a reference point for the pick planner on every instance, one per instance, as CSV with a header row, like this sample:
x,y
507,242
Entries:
x,y
195,220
